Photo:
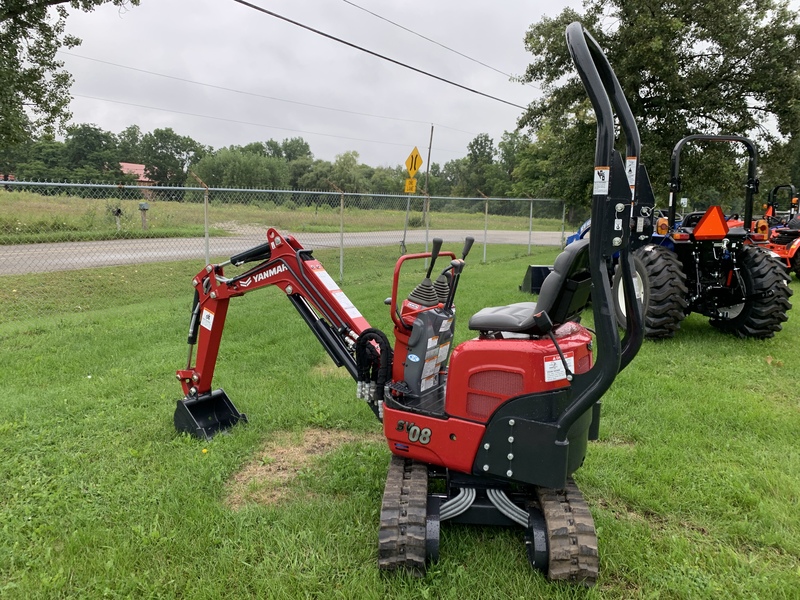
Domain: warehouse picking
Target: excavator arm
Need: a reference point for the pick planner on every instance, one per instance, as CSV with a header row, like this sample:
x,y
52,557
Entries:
x,y
283,262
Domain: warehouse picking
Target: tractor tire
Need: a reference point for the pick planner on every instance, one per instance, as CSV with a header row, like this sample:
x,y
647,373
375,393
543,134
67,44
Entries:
x,y
640,284
796,264
766,297
667,294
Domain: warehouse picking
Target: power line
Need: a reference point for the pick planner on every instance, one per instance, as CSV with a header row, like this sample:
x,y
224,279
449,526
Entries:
x,y
246,93
381,56
190,114
475,60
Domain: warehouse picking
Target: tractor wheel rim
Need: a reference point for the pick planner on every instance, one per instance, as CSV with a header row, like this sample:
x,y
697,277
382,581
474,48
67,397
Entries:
x,y
638,289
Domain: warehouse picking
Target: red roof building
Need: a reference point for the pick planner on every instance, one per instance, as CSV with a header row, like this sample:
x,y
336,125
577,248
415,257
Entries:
x,y
135,169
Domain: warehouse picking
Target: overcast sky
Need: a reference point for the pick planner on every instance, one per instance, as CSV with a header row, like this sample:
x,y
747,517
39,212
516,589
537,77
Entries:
x,y
253,55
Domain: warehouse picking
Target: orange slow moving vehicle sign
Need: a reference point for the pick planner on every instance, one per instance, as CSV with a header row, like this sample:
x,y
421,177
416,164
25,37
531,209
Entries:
x,y
712,225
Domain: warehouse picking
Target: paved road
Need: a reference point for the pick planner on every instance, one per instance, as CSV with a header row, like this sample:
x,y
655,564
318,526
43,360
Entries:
x,y
44,258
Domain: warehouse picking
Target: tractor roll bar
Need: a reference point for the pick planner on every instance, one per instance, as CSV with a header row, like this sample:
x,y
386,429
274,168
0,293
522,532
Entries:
x,y
608,197
752,180
772,201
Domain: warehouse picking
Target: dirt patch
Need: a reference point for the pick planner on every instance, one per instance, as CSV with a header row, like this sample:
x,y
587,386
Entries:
x,y
265,479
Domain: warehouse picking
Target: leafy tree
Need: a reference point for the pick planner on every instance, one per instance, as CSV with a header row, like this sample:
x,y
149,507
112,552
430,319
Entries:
x,y
455,176
34,88
555,165
44,161
88,146
231,167
254,148
722,66
296,148
389,180
129,144
317,177
346,173
167,156
298,169
273,149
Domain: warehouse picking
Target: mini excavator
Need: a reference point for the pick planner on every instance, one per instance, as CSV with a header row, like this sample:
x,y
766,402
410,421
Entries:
x,y
501,421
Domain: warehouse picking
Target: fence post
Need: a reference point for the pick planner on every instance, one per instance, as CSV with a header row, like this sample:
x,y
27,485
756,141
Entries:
x,y
405,227
341,228
485,223
341,238
563,221
205,213
530,227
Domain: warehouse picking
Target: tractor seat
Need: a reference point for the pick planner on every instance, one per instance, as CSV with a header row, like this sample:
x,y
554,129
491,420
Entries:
x,y
784,236
564,294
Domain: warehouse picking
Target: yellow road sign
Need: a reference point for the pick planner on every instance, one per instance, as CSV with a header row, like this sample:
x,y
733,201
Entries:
x,y
411,186
413,162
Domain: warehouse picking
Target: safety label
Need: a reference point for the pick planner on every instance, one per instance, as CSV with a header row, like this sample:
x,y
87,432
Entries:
x,y
430,368
207,319
601,176
327,280
428,382
443,350
554,368
630,170
345,303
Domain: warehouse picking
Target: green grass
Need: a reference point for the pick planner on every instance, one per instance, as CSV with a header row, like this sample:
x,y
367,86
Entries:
x,y
26,218
693,484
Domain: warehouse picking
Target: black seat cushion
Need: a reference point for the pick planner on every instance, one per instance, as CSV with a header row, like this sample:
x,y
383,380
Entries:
x,y
564,294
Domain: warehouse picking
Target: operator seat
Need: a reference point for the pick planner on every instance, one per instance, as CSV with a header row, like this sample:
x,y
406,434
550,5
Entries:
x,y
564,294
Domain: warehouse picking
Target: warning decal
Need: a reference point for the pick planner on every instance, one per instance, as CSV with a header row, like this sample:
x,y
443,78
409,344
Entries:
x,y
207,319
601,176
327,280
554,368
346,304
630,169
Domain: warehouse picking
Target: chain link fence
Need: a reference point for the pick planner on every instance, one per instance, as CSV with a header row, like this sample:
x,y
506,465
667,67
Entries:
x,y
66,227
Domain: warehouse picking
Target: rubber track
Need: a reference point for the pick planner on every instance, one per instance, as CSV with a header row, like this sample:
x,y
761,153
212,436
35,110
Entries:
x,y
764,312
667,303
571,537
401,538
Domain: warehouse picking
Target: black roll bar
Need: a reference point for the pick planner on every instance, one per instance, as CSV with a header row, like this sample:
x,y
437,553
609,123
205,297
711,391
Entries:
x,y
752,180
611,205
773,193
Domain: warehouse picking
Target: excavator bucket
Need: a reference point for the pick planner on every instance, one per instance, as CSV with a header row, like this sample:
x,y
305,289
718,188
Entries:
x,y
206,415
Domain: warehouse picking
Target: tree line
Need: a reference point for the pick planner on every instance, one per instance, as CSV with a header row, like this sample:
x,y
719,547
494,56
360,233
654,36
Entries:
x,y
91,154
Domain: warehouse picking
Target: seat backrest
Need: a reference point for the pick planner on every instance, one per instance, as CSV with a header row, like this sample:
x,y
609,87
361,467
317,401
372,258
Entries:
x,y
565,291
564,294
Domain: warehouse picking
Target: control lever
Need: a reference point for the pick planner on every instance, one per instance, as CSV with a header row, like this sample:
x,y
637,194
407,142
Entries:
x,y
437,245
467,246
458,266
